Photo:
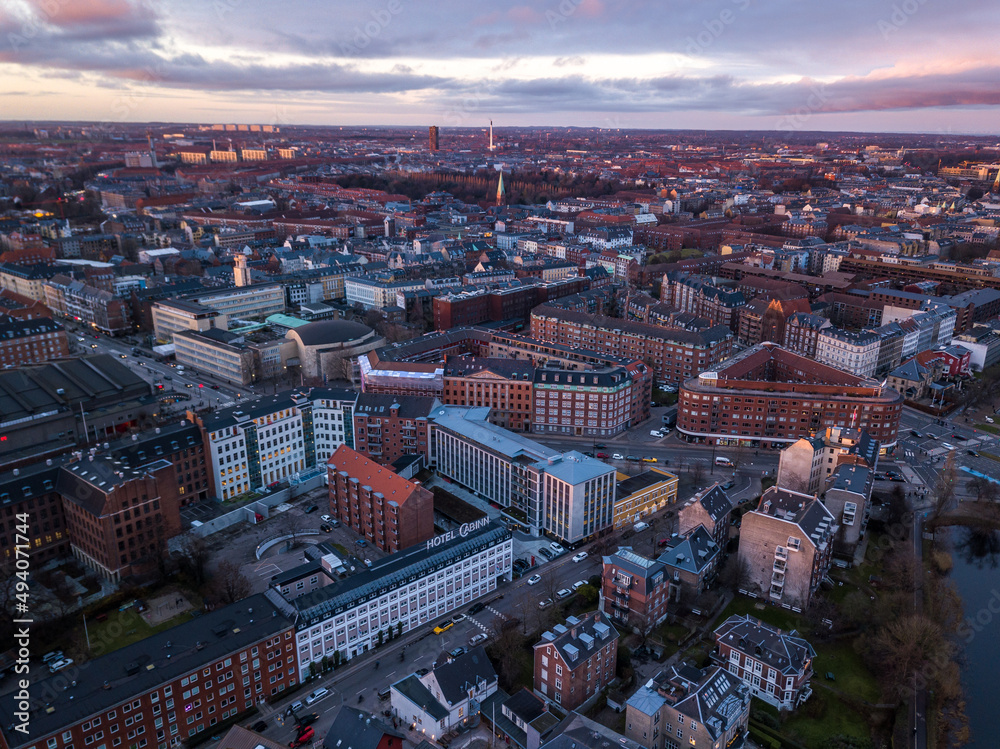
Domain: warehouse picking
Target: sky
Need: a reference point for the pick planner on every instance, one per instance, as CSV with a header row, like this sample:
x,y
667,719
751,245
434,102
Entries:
x,y
786,65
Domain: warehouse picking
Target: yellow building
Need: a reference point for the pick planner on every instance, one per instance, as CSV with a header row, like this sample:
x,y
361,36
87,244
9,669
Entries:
x,y
642,495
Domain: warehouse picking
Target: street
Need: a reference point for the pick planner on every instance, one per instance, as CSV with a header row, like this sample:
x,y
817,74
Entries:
x,y
190,383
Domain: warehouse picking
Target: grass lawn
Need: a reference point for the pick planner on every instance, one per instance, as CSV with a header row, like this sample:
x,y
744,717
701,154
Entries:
x,y
673,632
852,675
992,429
824,716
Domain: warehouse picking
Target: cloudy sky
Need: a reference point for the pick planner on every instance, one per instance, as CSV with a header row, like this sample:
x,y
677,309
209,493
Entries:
x,y
882,65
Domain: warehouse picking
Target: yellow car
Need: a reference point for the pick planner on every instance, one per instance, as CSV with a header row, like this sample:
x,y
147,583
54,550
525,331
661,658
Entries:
x,y
649,460
444,627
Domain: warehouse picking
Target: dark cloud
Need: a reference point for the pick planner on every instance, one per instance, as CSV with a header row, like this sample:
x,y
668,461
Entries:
x,y
71,21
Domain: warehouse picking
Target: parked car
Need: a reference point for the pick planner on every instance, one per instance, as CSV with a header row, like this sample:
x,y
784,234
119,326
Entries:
x,y
260,726
311,508
476,639
604,456
579,556
476,608
729,484
361,542
579,584
655,433
384,693
631,458
564,593
325,518
457,652
60,664
545,603
307,719
546,553
557,548
640,526
443,627
648,459
534,579
618,456
294,707
55,655
317,695
458,618
599,446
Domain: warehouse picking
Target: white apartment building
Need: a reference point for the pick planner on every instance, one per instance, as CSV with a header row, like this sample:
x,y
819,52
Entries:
x,y
173,315
403,591
856,353
257,300
568,495
273,438
373,293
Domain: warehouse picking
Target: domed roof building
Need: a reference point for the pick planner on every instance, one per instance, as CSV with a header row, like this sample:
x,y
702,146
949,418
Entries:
x,y
330,348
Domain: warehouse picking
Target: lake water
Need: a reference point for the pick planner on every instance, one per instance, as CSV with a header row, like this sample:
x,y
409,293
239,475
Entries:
x,y
976,576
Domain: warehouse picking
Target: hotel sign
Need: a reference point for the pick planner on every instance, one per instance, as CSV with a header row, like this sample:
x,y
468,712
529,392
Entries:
x,y
463,530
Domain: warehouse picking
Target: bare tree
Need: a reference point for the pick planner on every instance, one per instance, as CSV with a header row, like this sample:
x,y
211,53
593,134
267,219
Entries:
x,y
986,490
229,583
290,524
194,555
697,472
735,573
944,489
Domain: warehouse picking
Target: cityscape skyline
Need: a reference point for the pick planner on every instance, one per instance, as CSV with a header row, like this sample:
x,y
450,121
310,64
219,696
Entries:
x,y
872,67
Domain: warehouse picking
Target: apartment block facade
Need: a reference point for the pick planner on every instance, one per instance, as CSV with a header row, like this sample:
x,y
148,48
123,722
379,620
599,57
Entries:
x,y
575,661
675,355
31,341
385,508
786,546
775,665
684,707
770,397
568,495
167,688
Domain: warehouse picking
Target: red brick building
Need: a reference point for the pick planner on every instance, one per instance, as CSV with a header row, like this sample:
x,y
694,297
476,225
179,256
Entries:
x,y
387,427
675,355
504,385
770,397
119,519
167,688
575,661
390,511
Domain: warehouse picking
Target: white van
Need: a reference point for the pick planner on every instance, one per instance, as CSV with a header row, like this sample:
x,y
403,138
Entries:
x,y
723,461
655,433
640,527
